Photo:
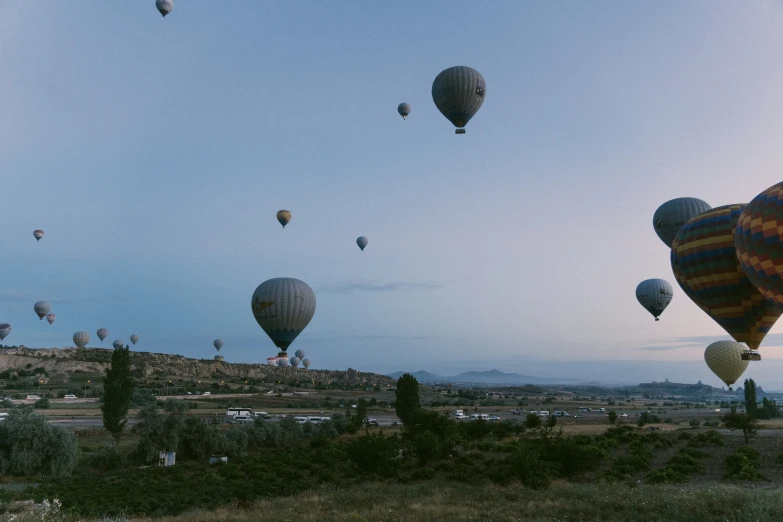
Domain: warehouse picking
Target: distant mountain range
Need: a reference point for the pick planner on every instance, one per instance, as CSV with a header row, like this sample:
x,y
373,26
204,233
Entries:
x,y
488,377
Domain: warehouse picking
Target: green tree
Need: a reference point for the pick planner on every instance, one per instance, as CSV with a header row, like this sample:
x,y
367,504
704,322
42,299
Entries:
x,y
612,417
750,398
741,421
532,421
118,390
407,402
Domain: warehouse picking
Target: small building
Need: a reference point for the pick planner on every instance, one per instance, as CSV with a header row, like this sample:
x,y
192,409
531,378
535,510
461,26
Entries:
x,y
167,458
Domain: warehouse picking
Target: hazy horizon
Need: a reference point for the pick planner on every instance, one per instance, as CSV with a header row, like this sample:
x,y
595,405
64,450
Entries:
x,y
154,153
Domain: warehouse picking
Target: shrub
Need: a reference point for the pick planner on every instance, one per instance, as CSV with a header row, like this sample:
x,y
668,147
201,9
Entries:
x,y
743,465
665,476
29,445
375,454
694,423
107,458
42,403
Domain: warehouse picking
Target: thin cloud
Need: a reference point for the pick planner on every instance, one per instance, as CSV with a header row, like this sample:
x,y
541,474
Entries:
x,y
660,348
354,286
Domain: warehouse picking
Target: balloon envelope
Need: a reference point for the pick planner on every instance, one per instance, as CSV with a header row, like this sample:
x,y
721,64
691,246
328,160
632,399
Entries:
x,y
5,329
294,361
283,307
219,358
282,362
458,93
655,295
51,318
306,363
102,333
705,264
134,338
117,344
404,109
218,344
672,215
42,308
164,6
758,243
284,217
724,358
81,339
362,242
300,353
271,361
38,234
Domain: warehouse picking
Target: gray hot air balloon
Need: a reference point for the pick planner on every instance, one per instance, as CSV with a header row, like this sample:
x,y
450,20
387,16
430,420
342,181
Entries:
x,y
300,353
306,363
672,215
362,242
117,344
284,217
81,339
294,361
164,6
404,109
134,338
282,362
655,295
51,318
458,93
218,344
42,308
102,333
283,307
5,329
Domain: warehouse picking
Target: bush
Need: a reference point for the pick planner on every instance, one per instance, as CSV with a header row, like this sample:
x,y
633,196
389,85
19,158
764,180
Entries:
x,y
694,423
665,476
107,458
375,454
743,465
42,403
30,445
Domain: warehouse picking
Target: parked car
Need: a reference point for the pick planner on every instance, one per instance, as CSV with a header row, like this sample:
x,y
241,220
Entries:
x,y
371,422
577,416
33,398
3,416
262,414
623,415
206,393
515,412
397,423
281,415
494,418
301,420
70,396
241,419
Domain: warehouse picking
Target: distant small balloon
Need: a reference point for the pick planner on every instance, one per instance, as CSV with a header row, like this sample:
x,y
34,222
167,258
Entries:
x,y
42,308
282,362
164,6
38,234
284,217
300,353
218,344
271,361
51,318
80,339
362,242
306,363
294,361
404,109
134,338
5,329
117,344
102,333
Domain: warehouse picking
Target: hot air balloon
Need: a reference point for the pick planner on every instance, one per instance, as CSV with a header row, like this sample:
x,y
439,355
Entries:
x,y
655,295
705,264
458,93
284,217
758,246
117,344
673,214
134,338
404,109
5,329
300,353
219,358
80,339
102,333
283,307
362,242
306,363
51,318
218,344
725,360
282,362
294,361
38,234
164,6
271,361
42,308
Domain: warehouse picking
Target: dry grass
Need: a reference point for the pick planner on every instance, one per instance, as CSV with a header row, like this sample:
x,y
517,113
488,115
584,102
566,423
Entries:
x,y
439,501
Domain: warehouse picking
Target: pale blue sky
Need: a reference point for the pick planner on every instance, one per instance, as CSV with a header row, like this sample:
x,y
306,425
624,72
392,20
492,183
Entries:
x,y
155,153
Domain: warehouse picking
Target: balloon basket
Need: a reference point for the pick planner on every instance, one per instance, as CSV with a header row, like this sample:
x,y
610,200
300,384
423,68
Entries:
x,y
751,356
459,131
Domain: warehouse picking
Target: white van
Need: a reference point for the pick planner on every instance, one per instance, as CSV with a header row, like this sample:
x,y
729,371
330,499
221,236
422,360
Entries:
x,y
480,416
33,398
242,419
233,412
561,414
262,414
3,416
542,413
457,413
69,396
301,420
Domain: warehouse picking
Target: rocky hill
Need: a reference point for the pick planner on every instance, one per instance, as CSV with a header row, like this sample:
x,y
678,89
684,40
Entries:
x,y
62,364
